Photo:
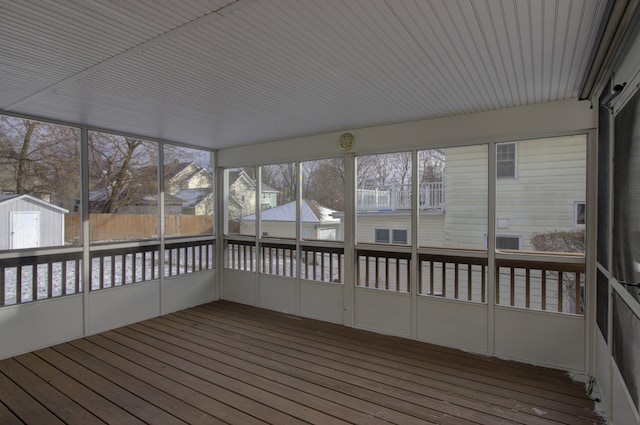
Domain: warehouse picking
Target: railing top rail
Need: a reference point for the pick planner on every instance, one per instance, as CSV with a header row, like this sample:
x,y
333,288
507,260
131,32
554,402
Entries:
x,y
278,244
106,246
186,244
123,251
384,248
322,243
31,252
543,265
384,254
454,252
240,238
541,256
319,248
459,259
40,259
194,238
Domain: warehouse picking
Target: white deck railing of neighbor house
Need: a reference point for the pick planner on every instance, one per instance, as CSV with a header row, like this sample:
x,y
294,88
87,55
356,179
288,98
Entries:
x,y
398,197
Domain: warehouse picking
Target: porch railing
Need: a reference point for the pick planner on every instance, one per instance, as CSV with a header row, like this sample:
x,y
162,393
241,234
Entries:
x,y
322,263
547,286
317,263
133,264
188,257
241,255
398,197
386,270
278,259
37,277
453,277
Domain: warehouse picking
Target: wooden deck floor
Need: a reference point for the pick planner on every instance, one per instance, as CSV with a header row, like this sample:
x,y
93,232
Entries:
x,y
229,363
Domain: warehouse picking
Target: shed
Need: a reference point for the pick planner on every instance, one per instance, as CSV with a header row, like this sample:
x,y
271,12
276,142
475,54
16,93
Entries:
x,y
29,222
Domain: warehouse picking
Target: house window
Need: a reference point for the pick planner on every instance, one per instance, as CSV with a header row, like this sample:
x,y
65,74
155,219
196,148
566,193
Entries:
x,y
382,236
580,209
508,242
397,236
506,160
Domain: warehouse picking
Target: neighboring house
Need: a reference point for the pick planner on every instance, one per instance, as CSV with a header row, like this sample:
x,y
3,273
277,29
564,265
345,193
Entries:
x,y
186,175
189,192
139,203
191,183
196,201
242,195
29,222
317,222
540,188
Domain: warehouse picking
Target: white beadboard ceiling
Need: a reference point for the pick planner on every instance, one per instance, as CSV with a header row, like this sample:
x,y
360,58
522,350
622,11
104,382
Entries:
x,y
221,73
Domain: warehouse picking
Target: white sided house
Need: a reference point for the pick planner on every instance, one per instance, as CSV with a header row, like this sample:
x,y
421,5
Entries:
x,y
28,222
529,198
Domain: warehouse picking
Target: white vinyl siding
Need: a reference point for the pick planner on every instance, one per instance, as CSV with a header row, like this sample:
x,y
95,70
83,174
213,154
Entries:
x,y
551,175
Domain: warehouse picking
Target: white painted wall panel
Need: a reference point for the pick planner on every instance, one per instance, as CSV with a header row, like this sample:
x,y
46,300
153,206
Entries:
x,y
277,293
123,305
452,323
239,286
27,327
383,312
181,292
322,301
546,339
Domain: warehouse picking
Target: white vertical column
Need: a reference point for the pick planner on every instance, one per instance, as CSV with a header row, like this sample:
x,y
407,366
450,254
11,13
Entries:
x,y
415,222
491,250
349,238
161,227
590,254
258,233
84,214
298,179
220,209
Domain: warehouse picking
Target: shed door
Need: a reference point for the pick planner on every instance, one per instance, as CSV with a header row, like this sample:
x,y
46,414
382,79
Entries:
x,y
25,229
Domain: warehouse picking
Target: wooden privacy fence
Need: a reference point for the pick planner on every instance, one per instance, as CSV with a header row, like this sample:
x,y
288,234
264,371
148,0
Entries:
x,y
107,227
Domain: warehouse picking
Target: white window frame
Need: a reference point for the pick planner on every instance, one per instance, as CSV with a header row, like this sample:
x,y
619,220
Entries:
x,y
515,160
391,239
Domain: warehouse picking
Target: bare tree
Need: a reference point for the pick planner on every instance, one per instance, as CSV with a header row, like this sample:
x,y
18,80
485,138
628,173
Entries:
x,y
122,171
431,165
401,167
324,182
282,177
40,159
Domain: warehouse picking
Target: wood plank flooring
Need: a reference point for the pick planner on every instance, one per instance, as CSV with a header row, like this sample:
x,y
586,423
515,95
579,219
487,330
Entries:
x,y
228,363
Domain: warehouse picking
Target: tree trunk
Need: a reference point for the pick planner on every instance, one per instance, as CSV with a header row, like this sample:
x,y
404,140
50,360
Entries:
x,y
23,158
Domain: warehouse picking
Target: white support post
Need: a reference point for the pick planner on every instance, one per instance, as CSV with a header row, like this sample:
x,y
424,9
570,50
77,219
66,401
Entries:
x,y
491,250
349,239
415,264
84,213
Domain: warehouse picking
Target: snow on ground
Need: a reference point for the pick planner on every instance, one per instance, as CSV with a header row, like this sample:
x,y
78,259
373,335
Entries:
x,y
112,275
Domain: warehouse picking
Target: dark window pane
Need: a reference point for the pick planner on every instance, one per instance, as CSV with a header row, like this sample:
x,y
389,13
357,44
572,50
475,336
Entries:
x,y
382,236
506,242
400,236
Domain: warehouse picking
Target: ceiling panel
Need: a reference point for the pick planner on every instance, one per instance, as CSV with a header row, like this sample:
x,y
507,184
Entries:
x,y
225,73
